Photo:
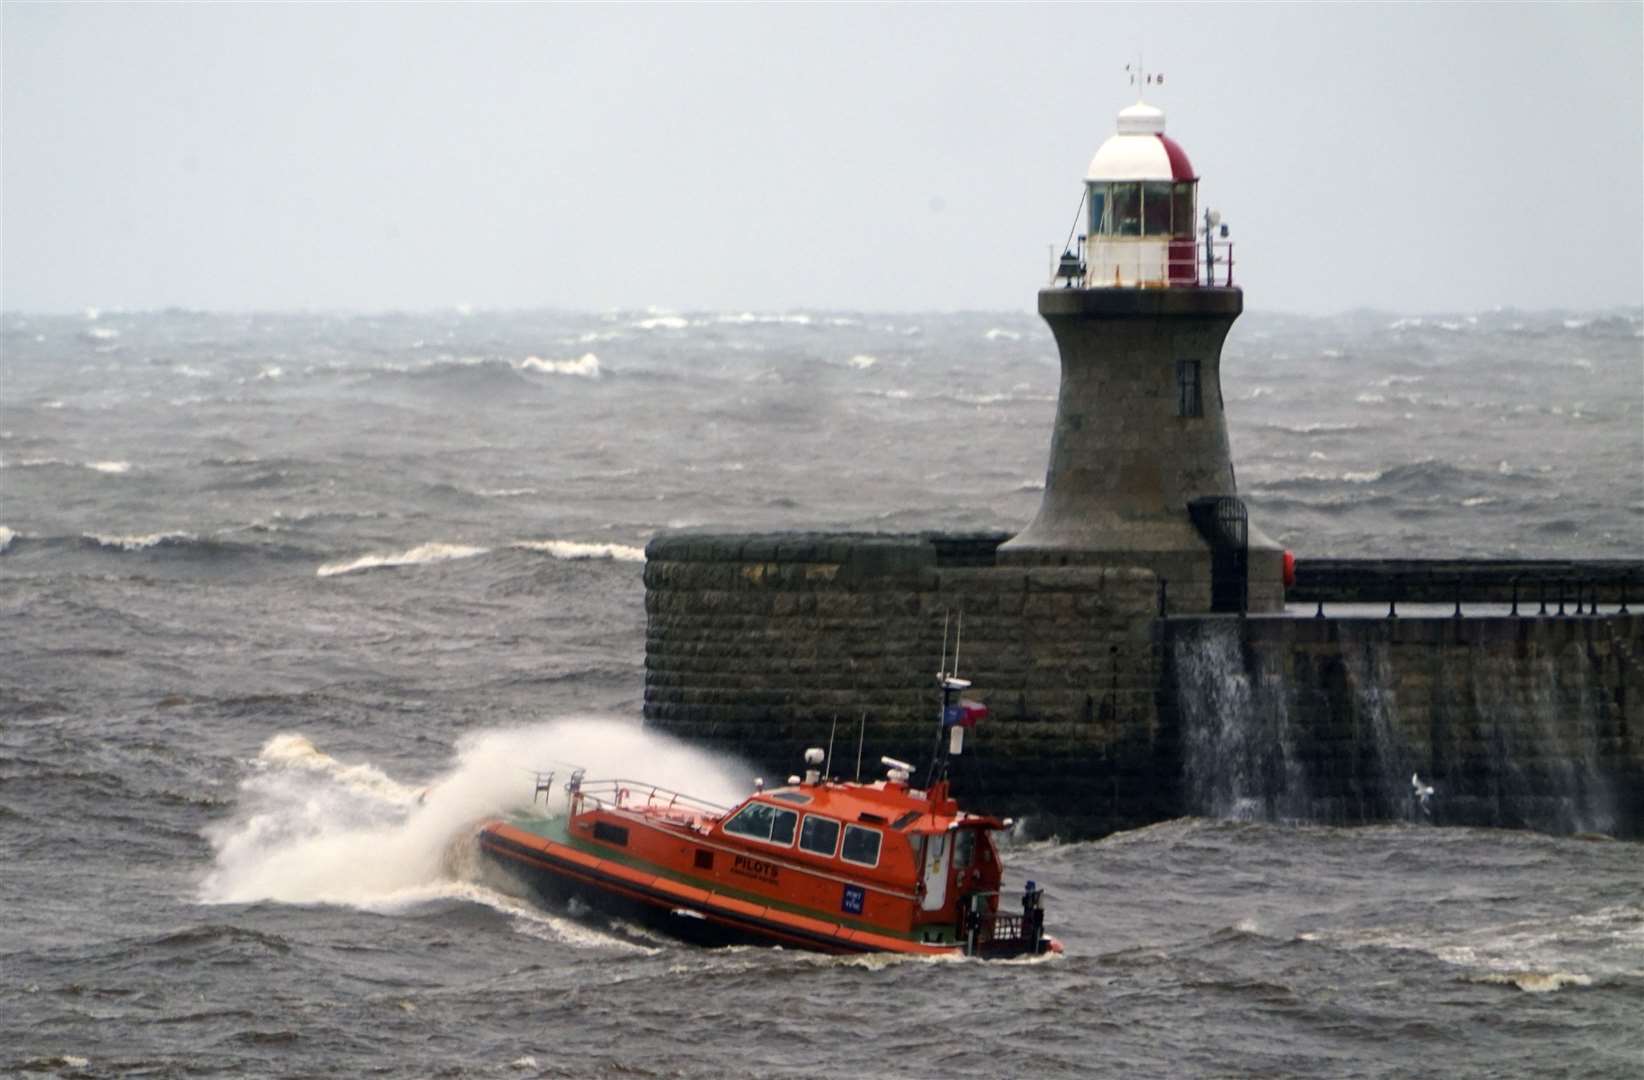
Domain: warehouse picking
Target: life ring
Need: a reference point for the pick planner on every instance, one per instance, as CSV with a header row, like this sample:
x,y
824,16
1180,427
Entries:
x,y
1289,570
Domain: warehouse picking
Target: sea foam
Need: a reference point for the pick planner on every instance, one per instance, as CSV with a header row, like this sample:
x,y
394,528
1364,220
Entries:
x,y
140,541
423,553
308,828
585,366
578,549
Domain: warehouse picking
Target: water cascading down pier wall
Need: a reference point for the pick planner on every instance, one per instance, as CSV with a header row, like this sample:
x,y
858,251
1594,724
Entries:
x,y
1518,722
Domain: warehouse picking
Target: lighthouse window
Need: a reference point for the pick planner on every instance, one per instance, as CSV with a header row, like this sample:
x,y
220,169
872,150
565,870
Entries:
x,y
1188,401
760,821
1098,204
1125,216
1156,209
1181,210
820,835
861,845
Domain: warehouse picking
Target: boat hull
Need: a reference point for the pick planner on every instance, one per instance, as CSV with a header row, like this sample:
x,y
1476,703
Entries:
x,y
559,872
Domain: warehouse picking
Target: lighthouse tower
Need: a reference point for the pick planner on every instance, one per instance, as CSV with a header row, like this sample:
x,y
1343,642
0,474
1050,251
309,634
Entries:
x,y
1140,471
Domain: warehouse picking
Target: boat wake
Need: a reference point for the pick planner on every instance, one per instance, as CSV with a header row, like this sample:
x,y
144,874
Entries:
x,y
308,828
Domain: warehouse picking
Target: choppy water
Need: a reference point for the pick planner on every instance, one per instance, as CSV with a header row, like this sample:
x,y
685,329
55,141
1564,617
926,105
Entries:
x,y
290,601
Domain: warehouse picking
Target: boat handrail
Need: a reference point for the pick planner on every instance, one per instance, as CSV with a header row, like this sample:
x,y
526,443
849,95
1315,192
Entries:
x,y
638,794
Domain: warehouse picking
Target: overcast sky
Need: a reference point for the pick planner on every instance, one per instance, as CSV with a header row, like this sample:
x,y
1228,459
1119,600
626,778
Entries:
x,y
1416,158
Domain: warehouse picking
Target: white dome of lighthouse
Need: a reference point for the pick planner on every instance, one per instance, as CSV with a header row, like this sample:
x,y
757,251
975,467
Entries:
x,y
1141,150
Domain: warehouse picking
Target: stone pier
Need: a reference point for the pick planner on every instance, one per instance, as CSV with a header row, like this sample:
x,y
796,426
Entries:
x,y
758,644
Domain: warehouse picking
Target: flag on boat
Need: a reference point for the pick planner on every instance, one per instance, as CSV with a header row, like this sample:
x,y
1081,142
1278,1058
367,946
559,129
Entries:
x,y
965,714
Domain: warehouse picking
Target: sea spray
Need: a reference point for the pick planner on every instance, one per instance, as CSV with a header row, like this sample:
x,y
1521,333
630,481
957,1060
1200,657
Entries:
x,y
308,828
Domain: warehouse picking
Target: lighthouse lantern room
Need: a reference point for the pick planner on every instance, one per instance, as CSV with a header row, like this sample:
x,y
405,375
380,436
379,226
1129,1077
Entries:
x,y
1141,214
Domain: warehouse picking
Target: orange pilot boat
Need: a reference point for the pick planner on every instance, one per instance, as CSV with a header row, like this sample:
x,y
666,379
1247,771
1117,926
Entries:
x,y
840,867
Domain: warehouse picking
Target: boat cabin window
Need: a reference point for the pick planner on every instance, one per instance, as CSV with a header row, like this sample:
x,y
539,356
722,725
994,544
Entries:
x,y
861,845
762,821
964,848
907,819
820,835
791,796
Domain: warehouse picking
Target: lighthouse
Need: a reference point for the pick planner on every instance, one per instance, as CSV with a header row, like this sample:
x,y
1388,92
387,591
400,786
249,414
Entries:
x,y
1141,472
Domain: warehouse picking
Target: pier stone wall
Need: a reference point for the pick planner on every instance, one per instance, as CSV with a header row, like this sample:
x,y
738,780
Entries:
x,y
756,643
1104,716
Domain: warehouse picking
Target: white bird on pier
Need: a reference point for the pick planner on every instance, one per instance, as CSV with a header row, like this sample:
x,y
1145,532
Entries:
x,y
1421,791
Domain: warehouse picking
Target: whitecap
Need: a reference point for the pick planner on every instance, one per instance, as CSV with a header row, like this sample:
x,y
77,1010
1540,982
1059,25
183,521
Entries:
x,y
423,553
1371,399
747,317
1031,485
113,468
663,322
6,537
139,542
1577,324
270,373
190,371
1480,500
505,493
1533,982
578,549
102,333
862,361
585,366
999,334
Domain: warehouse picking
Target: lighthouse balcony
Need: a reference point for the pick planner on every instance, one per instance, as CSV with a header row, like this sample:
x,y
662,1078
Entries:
x,y
1148,263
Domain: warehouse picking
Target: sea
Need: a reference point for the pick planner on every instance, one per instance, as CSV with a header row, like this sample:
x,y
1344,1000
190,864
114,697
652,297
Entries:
x,y
289,602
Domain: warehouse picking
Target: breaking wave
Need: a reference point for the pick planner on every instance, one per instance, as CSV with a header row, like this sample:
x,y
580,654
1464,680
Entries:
x,y
308,828
142,541
6,537
417,556
585,366
577,549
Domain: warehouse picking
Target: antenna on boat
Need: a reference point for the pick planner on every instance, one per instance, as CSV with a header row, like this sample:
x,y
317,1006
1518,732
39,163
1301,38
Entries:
x,y
958,636
861,729
942,668
827,765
